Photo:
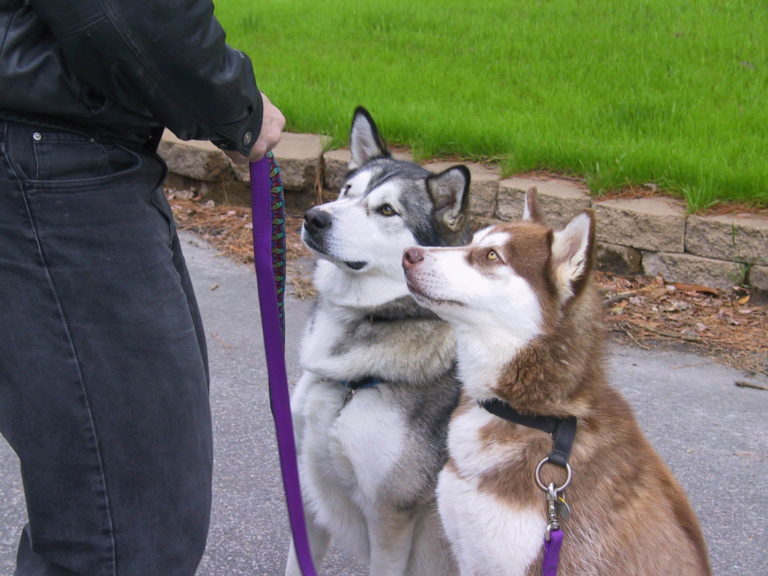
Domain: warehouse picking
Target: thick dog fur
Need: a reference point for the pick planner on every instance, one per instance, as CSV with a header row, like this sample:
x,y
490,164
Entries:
x,y
529,331
369,464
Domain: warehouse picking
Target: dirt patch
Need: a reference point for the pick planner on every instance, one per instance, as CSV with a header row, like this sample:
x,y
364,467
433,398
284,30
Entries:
x,y
729,326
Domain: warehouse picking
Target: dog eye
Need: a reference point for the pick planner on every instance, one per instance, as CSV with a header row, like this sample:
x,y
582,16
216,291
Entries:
x,y
492,255
387,210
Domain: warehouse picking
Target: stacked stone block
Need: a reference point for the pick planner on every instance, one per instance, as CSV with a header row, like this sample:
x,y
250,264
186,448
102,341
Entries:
x,y
652,236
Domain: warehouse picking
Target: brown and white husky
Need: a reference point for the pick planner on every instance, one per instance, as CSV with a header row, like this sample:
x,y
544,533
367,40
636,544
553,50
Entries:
x,y
529,331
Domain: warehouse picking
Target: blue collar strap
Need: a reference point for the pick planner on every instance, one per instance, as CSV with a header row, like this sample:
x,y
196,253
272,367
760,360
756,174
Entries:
x,y
369,382
353,386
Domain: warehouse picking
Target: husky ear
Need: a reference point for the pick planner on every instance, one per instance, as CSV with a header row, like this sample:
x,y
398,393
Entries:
x,y
364,140
532,209
572,254
450,195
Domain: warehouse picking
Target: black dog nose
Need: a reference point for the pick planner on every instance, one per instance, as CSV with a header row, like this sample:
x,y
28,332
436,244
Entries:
x,y
412,256
317,219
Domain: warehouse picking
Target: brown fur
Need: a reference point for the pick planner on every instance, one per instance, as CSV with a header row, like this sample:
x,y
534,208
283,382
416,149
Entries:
x,y
629,515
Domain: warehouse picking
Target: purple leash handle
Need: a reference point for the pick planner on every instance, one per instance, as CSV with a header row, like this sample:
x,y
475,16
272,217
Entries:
x,y
551,559
265,177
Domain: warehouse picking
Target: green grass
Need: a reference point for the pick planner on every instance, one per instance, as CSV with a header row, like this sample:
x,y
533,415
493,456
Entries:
x,y
673,92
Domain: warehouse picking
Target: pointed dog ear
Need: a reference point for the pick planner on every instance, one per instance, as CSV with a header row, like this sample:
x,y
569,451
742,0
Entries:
x,y
573,253
450,195
532,209
364,140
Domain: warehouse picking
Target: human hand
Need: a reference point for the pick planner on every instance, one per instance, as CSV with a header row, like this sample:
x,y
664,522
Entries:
x,y
272,125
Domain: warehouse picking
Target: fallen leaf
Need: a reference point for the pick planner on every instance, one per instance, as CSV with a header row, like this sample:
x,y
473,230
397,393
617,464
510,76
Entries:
x,y
695,288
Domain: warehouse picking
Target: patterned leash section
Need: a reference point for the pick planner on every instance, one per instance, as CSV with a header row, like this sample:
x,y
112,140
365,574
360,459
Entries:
x,y
269,260
277,211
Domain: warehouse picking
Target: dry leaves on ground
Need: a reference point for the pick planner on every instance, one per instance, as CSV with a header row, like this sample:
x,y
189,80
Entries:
x,y
230,229
727,325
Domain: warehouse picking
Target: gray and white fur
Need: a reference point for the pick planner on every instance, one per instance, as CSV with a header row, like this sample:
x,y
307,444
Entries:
x,y
369,459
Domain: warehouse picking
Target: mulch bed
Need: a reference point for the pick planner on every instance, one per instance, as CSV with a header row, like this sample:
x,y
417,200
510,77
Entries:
x,y
730,326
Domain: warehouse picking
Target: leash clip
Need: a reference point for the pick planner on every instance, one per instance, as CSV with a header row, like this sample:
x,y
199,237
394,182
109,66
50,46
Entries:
x,y
557,507
553,521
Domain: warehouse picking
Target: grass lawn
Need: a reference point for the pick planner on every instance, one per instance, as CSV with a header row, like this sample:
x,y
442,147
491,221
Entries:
x,y
620,92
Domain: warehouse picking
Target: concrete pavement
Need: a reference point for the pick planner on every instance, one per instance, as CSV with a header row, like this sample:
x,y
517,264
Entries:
x,y
713,434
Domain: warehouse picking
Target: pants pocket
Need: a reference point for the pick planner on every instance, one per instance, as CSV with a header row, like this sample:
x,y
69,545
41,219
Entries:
x,y
61,157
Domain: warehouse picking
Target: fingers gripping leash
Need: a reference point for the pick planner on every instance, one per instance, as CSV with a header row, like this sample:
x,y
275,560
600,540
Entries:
x,y
269,259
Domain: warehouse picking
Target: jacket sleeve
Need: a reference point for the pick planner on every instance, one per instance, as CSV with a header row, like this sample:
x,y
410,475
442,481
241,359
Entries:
x,y
167,59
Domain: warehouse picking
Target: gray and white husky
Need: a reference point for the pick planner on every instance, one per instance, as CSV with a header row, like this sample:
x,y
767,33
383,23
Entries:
x,y
372,407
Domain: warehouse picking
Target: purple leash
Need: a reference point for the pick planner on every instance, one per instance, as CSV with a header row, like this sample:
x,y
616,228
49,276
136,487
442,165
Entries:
x,y
269,259
551,558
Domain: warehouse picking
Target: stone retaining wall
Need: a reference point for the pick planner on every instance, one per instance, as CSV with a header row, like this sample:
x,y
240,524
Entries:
x,y
653,236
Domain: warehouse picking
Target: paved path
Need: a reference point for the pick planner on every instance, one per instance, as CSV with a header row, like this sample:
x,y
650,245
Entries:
x,y
713,434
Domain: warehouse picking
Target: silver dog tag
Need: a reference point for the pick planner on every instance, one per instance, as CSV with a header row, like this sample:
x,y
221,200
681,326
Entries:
x,y
563,510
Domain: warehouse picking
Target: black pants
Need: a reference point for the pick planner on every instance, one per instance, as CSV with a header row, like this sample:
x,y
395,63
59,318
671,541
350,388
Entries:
x,y
103,368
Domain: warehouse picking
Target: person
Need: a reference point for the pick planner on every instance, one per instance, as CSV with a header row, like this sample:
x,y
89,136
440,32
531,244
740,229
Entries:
x,y
103,367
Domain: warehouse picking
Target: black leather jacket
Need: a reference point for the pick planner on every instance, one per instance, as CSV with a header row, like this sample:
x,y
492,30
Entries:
x,y
123,69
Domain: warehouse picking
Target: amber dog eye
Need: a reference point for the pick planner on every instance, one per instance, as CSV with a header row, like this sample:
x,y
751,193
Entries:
x,y
492,256
387,210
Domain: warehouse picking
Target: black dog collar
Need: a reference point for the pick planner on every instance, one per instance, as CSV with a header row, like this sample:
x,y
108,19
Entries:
x,y
563,430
